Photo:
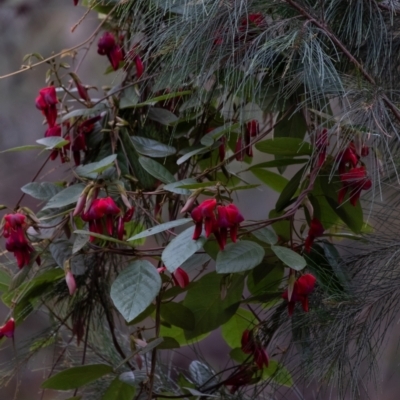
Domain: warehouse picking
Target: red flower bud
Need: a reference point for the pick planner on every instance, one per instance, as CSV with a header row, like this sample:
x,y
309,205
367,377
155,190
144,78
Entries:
x,y
108,46
70,280
180,277
8,329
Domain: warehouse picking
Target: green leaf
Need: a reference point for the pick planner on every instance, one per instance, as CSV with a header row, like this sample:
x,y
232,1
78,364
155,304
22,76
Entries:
x,y
181,248
210,138
100,236
289,257
80,242
143,315
66,197
266,235
198,185
52,142
233,329
157,170
238,257
350,215
293,126
265,278
282,162
284,146
178,334
282,227
271,179
289,191
22,148
152,148
5,280
129,98
135,288
119,390
178,315
41,190
203,376
175,186
189,154
85,112
161,115
277,373
76,377
210,307
160,228
238,355
95,168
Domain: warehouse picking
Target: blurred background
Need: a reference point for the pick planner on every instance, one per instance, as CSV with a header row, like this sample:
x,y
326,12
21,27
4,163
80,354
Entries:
x,y
44,26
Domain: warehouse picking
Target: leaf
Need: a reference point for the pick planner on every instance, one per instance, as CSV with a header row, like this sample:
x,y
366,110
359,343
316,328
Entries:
x,y
5,280
210,138
161,115
289,257
84,112
80,242
66,197
265,278
285,146
277,373
41,190
350,215
160,228
178,334
233,329
282,227
181,248
96,167
178,315
266,235
211,309
238,257
157,170
22,148
76,377
135,288
189,154
282,162
129,98
119,390
152,148
175,186
271,179
202,375
293,126
102,237
52,142
198,185
289,190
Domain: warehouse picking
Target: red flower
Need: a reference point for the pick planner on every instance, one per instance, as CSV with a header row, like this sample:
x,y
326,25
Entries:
x,y
354,180
82,91
16,239
8,329
221,149
239,149
302,288
100,211
243,377
47,103
316,230
253,128
204,213
76,2
250,345
347,158
229,217
180,277
108,46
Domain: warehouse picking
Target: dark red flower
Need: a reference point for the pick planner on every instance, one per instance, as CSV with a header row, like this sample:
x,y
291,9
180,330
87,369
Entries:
x,y
229,217
76,2
16,240
354,180
243,377
139,67
221,149
347,159
253,128
204,213
109,47
239,149
82,91
301,290
47,103
129,214
251,345
316,230
180,277
8,329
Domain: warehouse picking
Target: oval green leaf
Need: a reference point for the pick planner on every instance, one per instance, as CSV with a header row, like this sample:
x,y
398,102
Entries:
x,y
238,257
135,288
152,148
289,257
160,228
157,170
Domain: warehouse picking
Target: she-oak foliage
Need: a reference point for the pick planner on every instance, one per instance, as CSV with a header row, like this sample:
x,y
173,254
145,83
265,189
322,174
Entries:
x,y
204,89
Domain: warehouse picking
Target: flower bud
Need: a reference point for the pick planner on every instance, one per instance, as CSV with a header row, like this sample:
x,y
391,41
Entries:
x,y
70,280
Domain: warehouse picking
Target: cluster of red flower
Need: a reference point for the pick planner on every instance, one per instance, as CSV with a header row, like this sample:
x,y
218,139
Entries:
x,y
14,230
229,217
301,289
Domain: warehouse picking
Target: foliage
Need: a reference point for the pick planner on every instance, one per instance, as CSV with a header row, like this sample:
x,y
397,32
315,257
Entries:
x,y
210,97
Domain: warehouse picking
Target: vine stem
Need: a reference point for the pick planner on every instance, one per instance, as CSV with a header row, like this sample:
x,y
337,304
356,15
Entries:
x,y
154,351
